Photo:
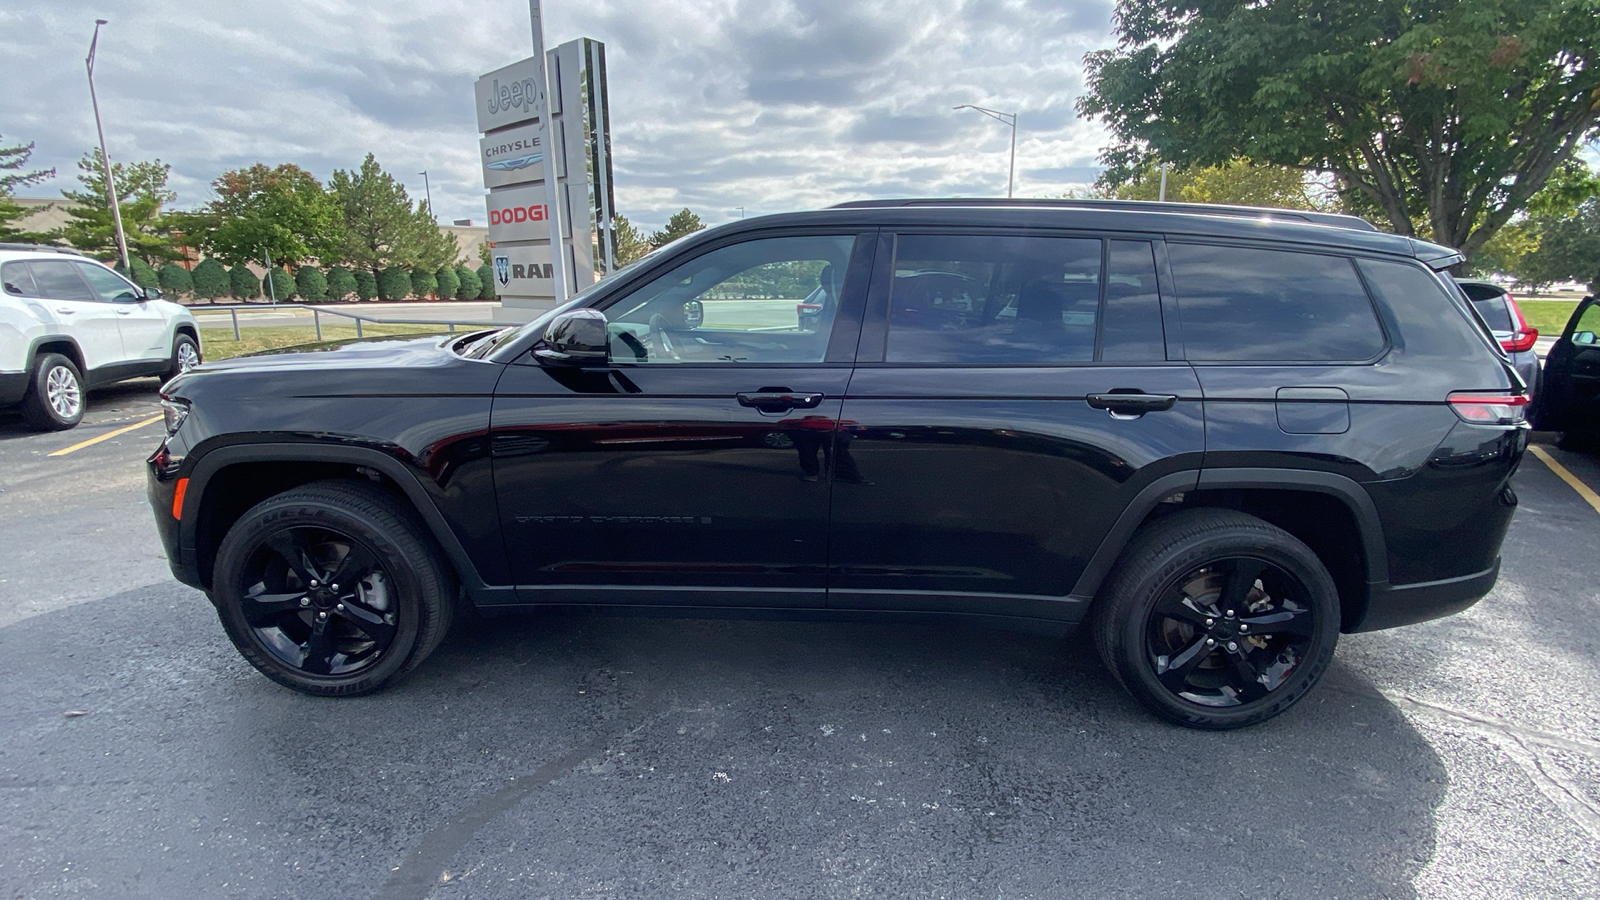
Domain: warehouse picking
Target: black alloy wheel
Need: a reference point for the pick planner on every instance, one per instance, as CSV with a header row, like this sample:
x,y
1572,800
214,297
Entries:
x,y
333,588
1216,619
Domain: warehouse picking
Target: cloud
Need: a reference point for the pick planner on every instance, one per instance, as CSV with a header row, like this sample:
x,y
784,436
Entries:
x,y
765,104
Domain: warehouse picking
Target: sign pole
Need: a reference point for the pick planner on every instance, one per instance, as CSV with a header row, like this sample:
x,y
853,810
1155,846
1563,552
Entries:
x,y
552,190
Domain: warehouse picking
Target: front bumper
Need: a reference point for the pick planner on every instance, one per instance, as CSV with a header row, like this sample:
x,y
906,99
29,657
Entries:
x,y
161,487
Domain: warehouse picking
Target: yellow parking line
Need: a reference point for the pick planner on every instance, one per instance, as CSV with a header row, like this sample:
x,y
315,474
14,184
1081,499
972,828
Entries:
x,y
1584,491
124,430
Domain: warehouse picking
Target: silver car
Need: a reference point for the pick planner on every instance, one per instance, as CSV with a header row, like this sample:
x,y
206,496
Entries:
x,y
1501,313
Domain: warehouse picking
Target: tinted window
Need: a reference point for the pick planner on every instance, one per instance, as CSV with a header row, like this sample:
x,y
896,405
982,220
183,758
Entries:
x,y
1131,326
1422,318
771,300
17,280
1247,304
108,284
1494,313
994,300
58,280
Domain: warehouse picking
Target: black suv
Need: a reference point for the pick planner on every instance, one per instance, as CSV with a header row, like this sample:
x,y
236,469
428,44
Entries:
x,y
1216,438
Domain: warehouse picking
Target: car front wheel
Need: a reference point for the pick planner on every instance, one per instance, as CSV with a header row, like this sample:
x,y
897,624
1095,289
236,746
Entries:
x,y
1218,620
185,355
332,588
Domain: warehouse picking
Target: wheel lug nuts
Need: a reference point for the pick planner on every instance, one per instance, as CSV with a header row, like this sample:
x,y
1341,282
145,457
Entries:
x,y
1210,622
1232,646
1243,627
339,607
313,582
305,601
322,616
336,587
1211,642
1230,612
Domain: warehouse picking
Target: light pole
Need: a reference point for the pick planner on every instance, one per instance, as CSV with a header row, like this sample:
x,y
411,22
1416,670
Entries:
x,y
429,191
111,184
1007,119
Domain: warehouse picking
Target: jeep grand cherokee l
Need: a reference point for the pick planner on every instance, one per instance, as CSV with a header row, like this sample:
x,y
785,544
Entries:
x,y
1216,438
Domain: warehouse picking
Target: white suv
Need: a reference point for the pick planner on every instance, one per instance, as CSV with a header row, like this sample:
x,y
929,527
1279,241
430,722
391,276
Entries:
x,y
68,323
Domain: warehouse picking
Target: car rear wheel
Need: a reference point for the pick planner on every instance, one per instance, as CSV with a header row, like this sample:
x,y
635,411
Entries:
x,y
333,588
54,401
1217,620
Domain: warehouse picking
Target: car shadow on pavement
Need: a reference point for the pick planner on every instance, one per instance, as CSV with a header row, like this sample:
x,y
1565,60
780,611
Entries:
x,y
112,401
561,754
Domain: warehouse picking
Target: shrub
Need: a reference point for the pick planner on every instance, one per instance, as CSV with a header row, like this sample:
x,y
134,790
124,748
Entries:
x,y
423,283
310,285
366,284
143,275
210,280
243,283
470,287
486,279
341,283
282,284
394,283
174,280
448,282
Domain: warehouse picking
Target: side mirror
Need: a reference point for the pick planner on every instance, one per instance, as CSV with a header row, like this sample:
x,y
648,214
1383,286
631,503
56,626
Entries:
x,y
694,314
575,338
1583,337
151,293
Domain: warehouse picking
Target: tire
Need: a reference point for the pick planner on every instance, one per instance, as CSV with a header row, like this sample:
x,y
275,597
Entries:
x,y
55,397
1183,582
185,355
332,640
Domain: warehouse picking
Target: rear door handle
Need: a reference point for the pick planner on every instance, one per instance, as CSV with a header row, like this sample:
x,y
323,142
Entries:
x,y
1133,403
64,311
777,400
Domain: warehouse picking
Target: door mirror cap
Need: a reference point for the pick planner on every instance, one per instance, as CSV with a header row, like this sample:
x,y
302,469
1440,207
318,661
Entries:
x,y
575,338
1583,337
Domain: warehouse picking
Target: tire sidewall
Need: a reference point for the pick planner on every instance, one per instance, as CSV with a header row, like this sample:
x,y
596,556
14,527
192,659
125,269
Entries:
x,y
177,347
247,536
37,409
1133,663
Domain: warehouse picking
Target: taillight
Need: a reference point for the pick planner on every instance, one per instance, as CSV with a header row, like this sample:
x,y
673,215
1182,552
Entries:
x,y
808,309
1523,337
1490,409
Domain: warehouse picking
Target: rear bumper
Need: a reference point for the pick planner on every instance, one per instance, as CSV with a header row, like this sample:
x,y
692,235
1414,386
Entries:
x,y
1390,606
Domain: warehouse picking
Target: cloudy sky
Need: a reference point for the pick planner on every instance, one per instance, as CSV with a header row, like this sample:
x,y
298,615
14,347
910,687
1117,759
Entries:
x,y
766,104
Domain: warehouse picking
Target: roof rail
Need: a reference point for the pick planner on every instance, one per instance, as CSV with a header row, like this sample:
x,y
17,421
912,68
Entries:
x,y
39,248
1335,220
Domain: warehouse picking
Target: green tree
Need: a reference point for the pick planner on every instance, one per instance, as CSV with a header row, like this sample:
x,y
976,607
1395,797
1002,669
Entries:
x,y
13,162
210,280
394,283
310,285
630,244
381,227
282,285
1568,249
449,282
486,283
143,275
423,283
366,284
243,284
1445,118
341,284
470,287
1238,182
175,281
682,222
259,213
141,192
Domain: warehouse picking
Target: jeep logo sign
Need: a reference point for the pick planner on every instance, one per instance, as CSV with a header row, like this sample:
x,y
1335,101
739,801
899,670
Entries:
x,y
506,96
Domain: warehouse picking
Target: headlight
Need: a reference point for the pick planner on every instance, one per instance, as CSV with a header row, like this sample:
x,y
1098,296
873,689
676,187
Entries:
x,y
173,412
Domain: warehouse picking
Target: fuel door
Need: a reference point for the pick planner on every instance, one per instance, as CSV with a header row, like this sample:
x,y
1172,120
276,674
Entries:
x,y
1313,410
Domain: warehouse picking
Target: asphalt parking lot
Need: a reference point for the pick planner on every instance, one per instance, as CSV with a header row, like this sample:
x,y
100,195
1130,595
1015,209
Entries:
x,y
576,756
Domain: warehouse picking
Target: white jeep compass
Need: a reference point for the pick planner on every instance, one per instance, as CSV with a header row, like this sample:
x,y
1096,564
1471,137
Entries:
x,y
68,323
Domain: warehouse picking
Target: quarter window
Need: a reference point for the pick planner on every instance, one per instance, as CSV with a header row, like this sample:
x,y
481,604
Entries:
x,y
58,279
17,281
1243,304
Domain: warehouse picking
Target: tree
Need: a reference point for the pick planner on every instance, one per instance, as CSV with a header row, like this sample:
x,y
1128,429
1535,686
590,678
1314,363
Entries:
x,y
449,282
174,280
243,284
423,283
310,285
630,244
282,285
394,283
143,275
682,222
141,191
13,160
486,283
210,280
341,284
260,213
471,287
381,226
1238,182
366,284
1568,249
1443,118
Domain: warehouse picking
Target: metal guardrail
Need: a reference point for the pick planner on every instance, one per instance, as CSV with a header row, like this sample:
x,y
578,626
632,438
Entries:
x,y
317,312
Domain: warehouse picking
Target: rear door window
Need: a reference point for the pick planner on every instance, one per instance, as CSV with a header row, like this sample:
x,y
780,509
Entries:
x,y
1246,304
58,279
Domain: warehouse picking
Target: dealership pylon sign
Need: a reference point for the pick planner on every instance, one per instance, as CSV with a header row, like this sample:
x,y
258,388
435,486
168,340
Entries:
x,y
545,172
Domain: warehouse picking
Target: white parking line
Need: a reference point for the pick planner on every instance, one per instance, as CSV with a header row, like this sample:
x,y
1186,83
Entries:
x,y
1584,491
105,437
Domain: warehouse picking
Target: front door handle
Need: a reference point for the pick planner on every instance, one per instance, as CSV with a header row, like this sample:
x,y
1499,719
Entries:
x,y
1131,403
777,400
